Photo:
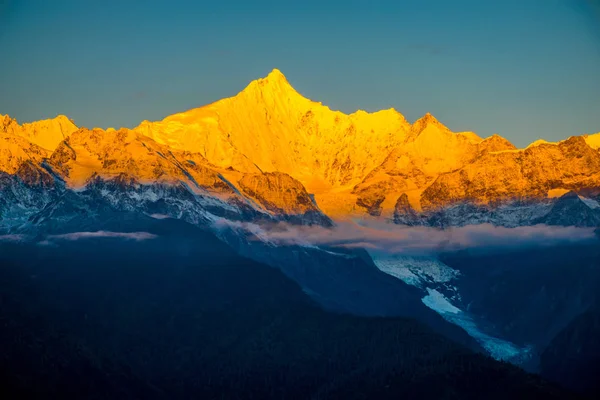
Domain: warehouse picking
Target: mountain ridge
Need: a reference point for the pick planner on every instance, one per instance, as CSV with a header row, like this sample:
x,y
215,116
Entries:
x,y
241,166
356,164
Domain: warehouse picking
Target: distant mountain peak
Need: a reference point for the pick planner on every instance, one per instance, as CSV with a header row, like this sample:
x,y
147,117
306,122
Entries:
x,y
63,118
6,121
572,209
348,162
46,133
428,118
496,143
274,83
276,75
425,121
570,195
274,78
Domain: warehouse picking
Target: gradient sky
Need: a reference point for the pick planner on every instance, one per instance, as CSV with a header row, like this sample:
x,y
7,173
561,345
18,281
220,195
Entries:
x,y
525,69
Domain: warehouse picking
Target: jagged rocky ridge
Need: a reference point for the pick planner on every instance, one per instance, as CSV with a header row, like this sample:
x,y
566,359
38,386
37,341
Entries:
x,y
132,172
270,153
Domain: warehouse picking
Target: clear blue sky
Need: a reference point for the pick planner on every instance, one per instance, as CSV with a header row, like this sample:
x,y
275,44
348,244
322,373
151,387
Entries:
x,y
525,69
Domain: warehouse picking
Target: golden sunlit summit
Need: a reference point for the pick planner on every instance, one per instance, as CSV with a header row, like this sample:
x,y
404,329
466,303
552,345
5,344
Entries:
x,y
272,146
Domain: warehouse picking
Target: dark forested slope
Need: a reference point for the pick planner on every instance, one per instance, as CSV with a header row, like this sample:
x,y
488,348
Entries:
x,y
182,316
573,356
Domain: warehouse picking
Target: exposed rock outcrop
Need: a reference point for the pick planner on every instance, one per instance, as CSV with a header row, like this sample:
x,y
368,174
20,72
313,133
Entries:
x,y
46,133
277,152
405,214
504,176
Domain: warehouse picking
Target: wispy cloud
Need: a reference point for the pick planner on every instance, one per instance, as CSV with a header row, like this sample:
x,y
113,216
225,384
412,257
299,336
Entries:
x,y
12,238
160,216
393,239
137,236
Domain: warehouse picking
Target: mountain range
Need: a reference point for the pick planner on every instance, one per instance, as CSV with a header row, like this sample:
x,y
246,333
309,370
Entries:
x,y
273,153
254,167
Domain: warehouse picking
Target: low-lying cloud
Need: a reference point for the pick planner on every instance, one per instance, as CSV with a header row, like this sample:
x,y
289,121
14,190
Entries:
x,y
12,238
396,239
137,236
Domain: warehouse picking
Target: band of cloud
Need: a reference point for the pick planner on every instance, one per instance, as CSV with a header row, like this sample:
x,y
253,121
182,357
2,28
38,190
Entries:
x,y
390,238
137,236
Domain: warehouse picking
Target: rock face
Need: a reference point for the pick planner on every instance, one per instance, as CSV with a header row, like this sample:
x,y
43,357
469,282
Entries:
x,y
272,152
283,195
45,133
571,209
15,150
361,163
502,176
272,127
129,171
404,213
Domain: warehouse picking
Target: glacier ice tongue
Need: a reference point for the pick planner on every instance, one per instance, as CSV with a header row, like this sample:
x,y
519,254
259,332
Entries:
x,y
433,276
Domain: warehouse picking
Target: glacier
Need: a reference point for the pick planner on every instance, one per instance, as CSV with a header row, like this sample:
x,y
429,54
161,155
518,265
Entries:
x,y
434,277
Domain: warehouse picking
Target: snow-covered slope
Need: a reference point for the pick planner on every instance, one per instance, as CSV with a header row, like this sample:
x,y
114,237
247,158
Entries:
x,y
440,292
46,133
285,155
